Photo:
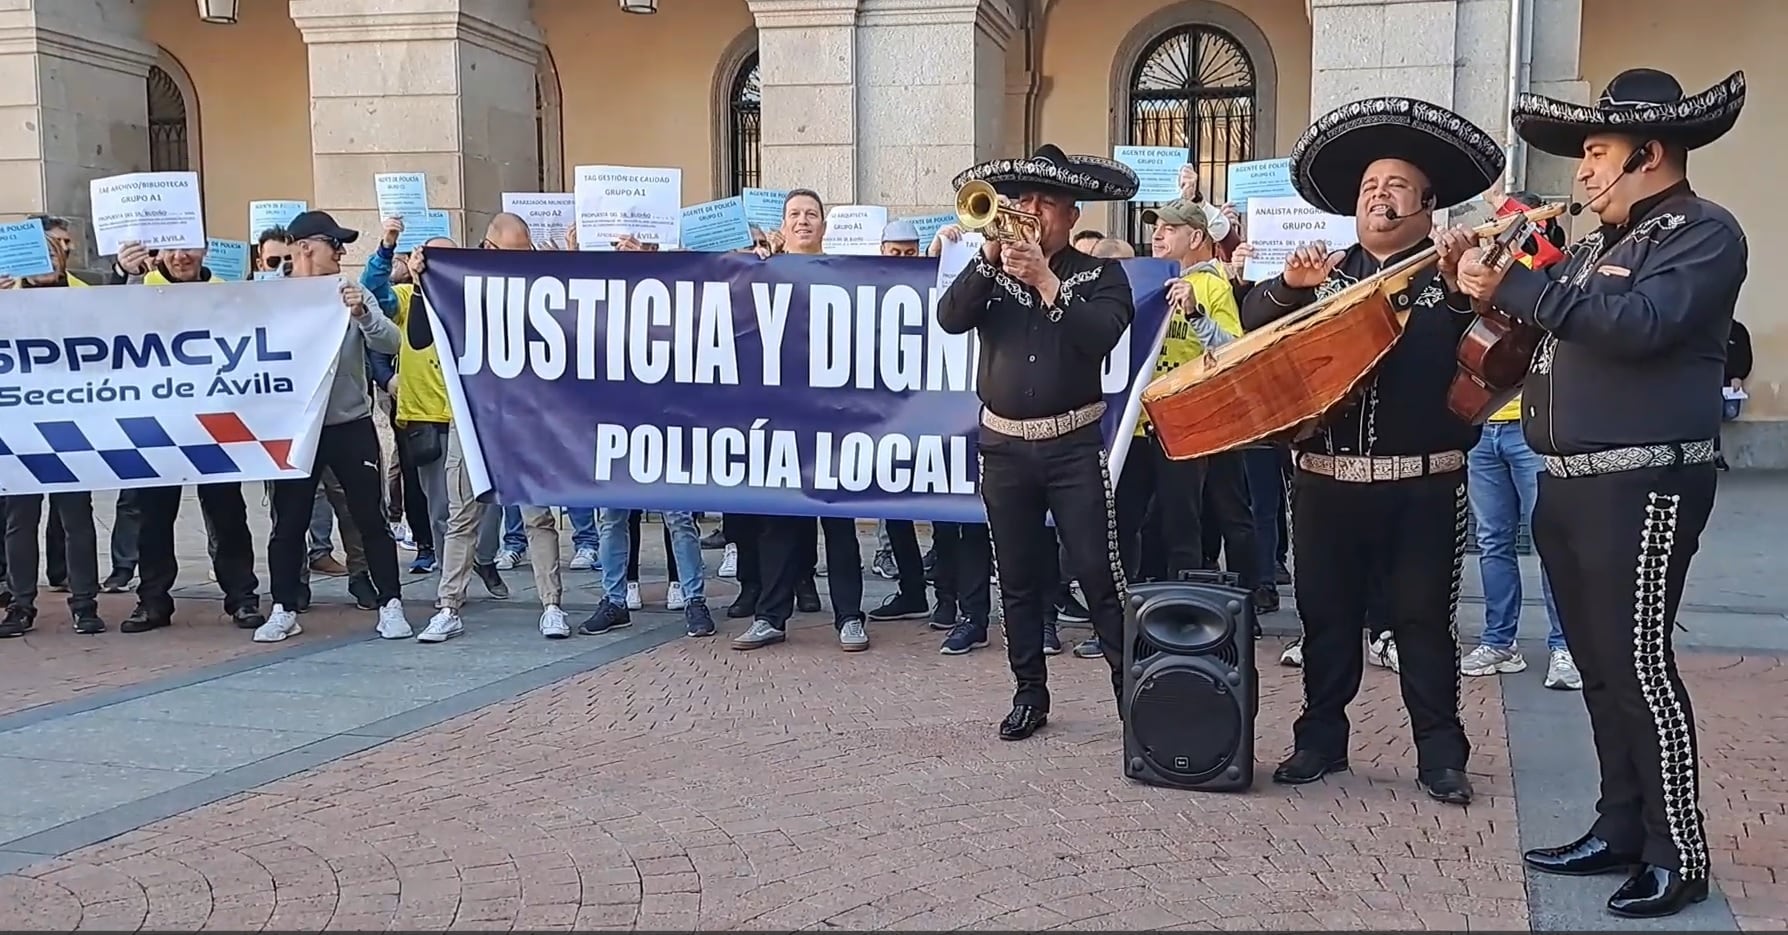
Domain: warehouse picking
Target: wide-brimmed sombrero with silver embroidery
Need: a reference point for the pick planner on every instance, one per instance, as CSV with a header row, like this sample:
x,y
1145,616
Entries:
x,y
1083,178
1460,160
1640,102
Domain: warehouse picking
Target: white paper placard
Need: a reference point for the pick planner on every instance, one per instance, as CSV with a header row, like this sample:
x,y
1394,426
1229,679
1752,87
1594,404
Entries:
x,y
159,210
1279,226
550,215
628,201
855,230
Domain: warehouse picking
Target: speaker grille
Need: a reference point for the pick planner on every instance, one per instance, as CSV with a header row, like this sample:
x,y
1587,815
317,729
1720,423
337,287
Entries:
x,y
1186,718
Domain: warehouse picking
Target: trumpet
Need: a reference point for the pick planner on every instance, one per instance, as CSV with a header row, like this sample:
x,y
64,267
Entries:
x,y
978,208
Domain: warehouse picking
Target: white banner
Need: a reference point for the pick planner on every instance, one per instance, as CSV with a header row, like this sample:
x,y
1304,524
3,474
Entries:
x,y
163,386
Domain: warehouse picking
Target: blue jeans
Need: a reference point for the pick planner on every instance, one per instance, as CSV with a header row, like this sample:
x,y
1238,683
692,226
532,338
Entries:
x,y
686,546
584,534
1504,482
1266,491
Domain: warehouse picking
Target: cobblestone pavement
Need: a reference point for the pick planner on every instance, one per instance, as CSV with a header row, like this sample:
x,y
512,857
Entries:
x,y
1744,791
693,786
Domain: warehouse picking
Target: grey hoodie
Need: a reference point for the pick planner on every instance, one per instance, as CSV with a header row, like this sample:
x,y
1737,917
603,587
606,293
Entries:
x,y
349,398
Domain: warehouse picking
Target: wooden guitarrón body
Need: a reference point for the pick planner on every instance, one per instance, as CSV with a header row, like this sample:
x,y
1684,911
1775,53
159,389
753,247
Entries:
x,y
1273,380
1494,357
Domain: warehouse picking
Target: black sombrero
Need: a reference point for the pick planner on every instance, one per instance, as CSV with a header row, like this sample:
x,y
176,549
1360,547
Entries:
x,y
1083,178
1460,160
1640,102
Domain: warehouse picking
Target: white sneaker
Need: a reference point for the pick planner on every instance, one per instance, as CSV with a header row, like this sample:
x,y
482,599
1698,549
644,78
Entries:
x,y
729,562
280,624
1382,652
553,624
853,636
583,559
400,534
392,625
1561,672
1293,656
507,559
441,627
1491,660
673,597
633,599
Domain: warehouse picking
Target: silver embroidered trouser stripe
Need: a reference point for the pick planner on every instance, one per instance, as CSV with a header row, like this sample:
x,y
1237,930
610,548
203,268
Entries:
x,y
1113,554
1651,625
1461,513
1616,460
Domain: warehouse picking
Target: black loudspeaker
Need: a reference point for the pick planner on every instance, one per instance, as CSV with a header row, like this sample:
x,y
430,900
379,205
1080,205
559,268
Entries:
x,y
1191,690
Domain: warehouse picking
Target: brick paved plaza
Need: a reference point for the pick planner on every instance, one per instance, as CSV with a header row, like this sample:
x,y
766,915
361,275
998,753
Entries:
x,y
189,779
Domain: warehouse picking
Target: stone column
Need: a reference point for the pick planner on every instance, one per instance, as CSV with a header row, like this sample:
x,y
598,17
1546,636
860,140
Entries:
x,y
807,67
1369,48
444,87
931,96
73,104
1555,70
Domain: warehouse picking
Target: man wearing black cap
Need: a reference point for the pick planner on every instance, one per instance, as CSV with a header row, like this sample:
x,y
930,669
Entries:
x,y
1623,405
1380,502
348,446
1047,316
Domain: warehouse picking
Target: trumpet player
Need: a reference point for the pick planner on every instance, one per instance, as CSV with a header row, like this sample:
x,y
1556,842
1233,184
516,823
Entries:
x,y
1047,316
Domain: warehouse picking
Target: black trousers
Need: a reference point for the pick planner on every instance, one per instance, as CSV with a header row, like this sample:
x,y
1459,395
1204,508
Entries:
x,y
1157,489
71,521
634,519
745,531
55,544
1408,538
1022,483
903,540
415,499
786,552
1617,548
1230,512
350,451
158,561
964,567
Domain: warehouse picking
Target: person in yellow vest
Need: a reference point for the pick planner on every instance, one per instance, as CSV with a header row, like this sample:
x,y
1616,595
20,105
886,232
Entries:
x,y
226,514
1202,314
70,548
1503,481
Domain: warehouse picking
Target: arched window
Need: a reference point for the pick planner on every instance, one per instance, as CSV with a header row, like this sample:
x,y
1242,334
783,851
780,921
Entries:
x,y
170,138
548,125
743,123
1194,87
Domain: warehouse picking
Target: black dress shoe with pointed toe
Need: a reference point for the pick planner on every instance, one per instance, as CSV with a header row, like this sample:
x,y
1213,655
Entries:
x,y
1451,786
1654,892
1023,722
1587,856
1306,766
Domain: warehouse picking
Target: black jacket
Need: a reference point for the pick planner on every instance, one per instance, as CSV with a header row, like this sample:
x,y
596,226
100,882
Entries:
x,y
1402,406
1638,318
1037,361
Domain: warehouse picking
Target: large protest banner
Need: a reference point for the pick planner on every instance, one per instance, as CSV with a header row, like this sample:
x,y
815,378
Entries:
x,y
817,386
160,386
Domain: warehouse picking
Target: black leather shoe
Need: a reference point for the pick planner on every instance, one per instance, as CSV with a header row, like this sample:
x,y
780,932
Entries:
x,y
745,605
1307,766
248,617
1451,786
1022,722
807,596
142,621
1654,892
1587,856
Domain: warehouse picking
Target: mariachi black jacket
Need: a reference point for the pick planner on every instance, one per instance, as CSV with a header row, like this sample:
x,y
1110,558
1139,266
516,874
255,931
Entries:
x,y
1637,318
1402,407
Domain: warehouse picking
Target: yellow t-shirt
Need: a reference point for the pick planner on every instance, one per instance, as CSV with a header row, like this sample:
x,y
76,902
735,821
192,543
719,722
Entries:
x,y
421,390
155,277
1510,412
1216,299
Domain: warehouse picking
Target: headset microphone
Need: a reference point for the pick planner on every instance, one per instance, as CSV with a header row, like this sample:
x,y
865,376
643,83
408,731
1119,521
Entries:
x,y
1634,161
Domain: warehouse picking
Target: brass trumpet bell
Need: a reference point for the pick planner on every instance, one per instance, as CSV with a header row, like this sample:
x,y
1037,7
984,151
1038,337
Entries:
x,y
978,208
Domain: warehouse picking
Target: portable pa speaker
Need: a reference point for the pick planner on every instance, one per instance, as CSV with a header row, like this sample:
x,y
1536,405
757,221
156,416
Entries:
x,y
1191,690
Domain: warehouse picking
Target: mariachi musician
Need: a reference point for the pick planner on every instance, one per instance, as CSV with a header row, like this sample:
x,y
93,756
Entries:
x,y
1623,403
1047,316
1379,501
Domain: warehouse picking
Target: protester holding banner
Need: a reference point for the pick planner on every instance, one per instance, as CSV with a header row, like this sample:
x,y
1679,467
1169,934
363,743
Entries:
x,y
1047,316
72,512
347,446
786,545
158,508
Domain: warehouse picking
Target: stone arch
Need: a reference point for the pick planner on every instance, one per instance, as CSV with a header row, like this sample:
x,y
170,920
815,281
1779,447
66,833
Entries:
x,y
173,111
737,112
549,124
